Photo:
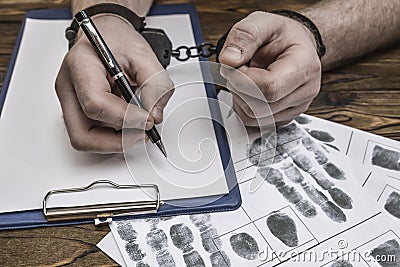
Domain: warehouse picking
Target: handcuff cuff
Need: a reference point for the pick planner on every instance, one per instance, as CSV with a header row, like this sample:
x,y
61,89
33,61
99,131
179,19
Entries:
x,y
162,45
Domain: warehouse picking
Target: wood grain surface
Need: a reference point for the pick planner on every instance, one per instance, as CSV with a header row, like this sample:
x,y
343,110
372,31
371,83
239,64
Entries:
x,y
364,94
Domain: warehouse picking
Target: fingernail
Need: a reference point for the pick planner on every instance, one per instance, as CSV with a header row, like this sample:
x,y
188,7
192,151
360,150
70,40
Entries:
x,y
232,52
149,124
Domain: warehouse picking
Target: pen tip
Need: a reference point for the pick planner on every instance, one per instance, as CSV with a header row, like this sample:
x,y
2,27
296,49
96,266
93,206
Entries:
x,y
160,145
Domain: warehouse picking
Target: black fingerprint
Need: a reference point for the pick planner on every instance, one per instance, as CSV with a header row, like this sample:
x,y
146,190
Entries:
x,y
308,143
322,136
314,194
220,259
126,231
284,228
322,180
134,251
254,150
278,158
387,254
290,193
302,120
142,264
193,259
333,212
201,221
334,171
181,237
289,132
385,158
341,198
306,208
207,238
292,173
320,156
166,218
332,146
341,263
244,245
288,137
156,239
165,259
271,175
392,204
302,162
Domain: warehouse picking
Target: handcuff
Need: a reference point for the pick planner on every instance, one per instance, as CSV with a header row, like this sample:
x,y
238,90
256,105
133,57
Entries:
x,y
162,45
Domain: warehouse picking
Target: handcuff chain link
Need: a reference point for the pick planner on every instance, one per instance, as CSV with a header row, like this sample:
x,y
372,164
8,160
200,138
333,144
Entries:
x,y
184,53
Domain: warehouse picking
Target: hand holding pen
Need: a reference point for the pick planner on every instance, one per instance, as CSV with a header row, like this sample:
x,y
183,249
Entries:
x,y
93,115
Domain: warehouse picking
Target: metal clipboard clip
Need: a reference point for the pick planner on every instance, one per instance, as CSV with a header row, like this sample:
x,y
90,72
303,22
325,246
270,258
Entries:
x,y
101,212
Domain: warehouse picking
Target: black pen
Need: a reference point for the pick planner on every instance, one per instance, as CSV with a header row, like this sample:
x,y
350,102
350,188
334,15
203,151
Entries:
x,y
114,70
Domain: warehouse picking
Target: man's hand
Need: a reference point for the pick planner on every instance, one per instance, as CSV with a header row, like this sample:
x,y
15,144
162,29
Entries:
x,y
94,112
283,64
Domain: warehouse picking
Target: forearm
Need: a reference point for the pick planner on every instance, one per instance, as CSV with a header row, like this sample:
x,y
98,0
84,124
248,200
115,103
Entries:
x,y
351,28
140,7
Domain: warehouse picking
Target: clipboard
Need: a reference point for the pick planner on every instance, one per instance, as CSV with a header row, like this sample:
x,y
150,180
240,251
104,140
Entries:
x,y
229,201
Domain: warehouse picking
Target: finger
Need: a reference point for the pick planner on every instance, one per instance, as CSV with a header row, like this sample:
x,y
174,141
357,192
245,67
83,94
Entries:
x,y
155,85
247,116
304,94
155,94
266,54
84,134
291,70
247,36
96,98
290,113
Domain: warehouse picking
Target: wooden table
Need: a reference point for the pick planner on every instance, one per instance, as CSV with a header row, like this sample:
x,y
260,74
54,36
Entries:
x,y
364,95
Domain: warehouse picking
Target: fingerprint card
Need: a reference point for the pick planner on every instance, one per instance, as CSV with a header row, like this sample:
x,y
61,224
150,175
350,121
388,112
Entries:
x,y
373,151
320,185
385,190
195,240
372,243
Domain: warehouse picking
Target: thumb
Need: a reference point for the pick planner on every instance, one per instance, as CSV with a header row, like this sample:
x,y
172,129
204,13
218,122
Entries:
x,y
241,43
245,38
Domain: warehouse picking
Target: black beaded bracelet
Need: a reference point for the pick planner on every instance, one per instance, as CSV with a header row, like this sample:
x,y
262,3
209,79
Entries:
x,y
321,49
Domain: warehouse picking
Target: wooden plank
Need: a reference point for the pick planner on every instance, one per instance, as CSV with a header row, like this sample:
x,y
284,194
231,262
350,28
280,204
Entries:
x,y
364,94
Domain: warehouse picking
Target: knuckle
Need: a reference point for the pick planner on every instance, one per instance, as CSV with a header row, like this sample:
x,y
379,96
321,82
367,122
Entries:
x,y
245,31
271,89
247,121
58,84
314,91
77,143
248,111
92,108
315,65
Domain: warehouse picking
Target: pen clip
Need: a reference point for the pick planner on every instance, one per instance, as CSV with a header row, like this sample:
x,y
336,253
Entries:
x,y
102,48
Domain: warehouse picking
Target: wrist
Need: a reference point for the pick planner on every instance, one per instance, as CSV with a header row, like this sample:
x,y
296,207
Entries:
x,y
103,12
140,7
107,24
310,27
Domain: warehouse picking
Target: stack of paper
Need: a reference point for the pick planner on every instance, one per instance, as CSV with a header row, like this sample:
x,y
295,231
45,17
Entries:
x,y
316,207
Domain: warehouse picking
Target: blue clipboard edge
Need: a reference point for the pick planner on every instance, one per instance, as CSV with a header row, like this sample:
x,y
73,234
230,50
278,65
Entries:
x,y
227,202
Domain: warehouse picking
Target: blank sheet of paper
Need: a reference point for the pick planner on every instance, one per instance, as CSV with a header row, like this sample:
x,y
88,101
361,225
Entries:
x,y
35,153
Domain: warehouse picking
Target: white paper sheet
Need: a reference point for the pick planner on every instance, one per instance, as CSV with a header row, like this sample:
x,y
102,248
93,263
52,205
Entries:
x,y
110,247
35,153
